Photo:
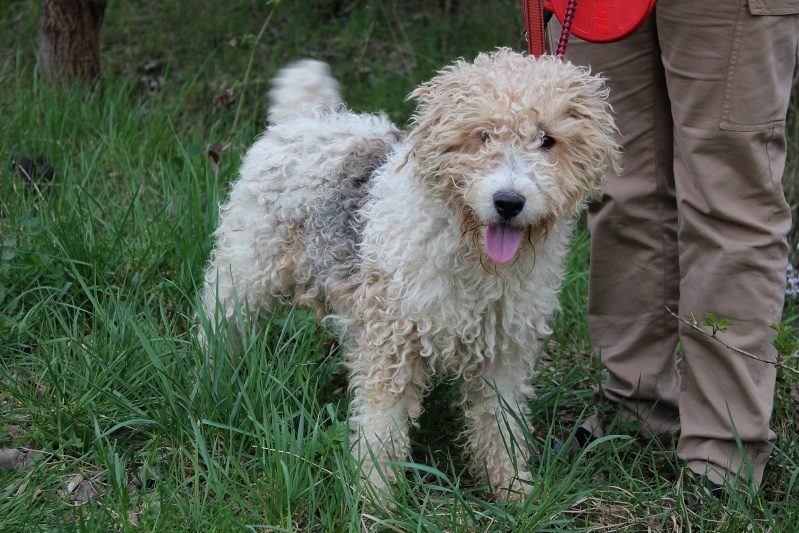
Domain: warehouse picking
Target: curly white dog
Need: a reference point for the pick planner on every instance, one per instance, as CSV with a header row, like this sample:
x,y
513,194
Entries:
x,y
439,251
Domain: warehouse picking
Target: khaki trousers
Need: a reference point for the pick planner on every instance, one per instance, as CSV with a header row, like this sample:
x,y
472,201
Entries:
x,y
696,222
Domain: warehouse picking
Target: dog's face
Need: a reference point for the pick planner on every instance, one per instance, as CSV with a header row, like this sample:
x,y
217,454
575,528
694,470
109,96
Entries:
x,y
513,143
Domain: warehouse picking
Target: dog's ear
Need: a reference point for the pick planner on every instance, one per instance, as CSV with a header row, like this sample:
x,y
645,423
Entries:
x,y
437,105
444,123
593,150
591,104
425,118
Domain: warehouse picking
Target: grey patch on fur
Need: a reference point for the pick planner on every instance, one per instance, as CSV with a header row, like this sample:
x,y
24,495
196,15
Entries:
x,y
335,229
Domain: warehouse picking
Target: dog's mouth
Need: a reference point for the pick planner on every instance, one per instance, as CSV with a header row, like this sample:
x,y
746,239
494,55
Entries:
x,y
502,241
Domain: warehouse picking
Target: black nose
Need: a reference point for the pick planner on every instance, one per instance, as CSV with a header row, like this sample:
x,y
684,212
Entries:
x,y
508,204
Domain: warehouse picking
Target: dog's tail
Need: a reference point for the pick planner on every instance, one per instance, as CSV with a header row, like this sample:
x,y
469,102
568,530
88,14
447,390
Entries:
x,y
301,88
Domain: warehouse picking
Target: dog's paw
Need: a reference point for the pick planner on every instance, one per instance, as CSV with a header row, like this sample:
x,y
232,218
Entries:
x,y
377,488
515,490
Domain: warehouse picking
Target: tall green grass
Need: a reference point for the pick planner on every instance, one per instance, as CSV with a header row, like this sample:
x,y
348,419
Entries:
x,y
133,427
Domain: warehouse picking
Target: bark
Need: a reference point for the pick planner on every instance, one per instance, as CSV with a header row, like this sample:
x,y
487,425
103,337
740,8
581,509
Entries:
x,y
69,39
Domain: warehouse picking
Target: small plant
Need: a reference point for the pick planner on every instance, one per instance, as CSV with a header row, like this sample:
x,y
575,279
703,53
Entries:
x,y
715,324
792,277
785,342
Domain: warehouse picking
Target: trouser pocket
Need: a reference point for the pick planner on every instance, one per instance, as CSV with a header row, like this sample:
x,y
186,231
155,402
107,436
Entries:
x,y
761,65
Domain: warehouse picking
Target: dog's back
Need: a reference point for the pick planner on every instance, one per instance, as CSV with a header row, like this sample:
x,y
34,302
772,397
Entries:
x,y
290,229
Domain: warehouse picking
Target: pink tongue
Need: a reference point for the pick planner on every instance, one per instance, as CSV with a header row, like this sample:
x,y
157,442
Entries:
x,y
502,241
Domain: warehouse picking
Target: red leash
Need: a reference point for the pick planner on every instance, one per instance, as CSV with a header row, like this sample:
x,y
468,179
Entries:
x,y
535,26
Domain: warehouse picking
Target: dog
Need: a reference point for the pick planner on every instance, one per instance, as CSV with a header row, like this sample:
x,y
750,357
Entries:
x,y
436,250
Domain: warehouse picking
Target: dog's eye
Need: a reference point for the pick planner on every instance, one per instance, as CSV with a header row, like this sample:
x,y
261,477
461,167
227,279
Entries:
x,y
485,137
547,142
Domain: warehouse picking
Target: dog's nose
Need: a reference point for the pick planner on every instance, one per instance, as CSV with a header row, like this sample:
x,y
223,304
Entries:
x,y
508,204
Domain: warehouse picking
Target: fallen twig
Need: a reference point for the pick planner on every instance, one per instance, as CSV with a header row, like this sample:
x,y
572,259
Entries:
x,y
716,338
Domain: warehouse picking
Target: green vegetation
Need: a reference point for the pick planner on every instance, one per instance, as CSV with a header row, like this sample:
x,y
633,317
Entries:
x,y
131,427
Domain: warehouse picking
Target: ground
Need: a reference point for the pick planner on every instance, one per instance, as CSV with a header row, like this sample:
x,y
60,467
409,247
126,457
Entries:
x,y
102,248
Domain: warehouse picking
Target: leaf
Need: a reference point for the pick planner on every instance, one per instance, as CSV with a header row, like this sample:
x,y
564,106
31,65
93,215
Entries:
x,y
84,491
73,483
709,321
11,458
214,154
225,98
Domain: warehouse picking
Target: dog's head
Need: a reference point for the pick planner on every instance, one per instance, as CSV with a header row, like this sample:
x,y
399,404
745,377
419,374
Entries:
x,y
513,143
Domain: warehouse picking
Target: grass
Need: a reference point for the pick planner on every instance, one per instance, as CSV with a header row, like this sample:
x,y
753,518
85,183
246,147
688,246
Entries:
x,y
132,427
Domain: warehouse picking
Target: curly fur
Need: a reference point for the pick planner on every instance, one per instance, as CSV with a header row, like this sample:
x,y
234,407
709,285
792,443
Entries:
x,y
387,236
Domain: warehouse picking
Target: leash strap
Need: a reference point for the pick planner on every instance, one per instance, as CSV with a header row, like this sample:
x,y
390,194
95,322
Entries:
x,y
534,24
566,32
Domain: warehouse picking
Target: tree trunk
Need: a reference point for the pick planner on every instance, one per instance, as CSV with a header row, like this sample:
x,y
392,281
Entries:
x,y
69,39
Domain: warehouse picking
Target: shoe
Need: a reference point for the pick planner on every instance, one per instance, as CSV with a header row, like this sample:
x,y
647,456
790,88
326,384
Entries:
x,y
577,440
583,437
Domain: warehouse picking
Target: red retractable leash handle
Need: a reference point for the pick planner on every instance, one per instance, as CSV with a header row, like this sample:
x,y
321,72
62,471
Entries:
x,y
597,21
603,21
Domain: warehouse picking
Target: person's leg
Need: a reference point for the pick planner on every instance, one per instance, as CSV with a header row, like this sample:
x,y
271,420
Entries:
x,y
633,266
729,78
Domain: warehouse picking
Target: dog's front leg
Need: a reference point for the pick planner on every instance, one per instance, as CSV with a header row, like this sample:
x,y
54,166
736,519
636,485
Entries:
x,y
497,427
388,383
